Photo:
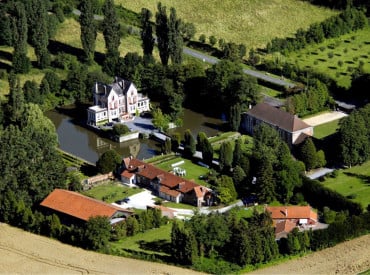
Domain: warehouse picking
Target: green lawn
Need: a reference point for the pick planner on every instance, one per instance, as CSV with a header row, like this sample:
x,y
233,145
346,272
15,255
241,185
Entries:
x,y
336,57
327,129
253,22
353,182
154,241
111,192
193,171
178,205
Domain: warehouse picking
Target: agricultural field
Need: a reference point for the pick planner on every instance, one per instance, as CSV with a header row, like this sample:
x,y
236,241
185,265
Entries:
x,y
354,183
336,57
111,192
253,22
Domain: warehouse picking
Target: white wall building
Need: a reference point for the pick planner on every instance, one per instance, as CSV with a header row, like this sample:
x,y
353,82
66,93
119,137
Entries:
x,y
117,101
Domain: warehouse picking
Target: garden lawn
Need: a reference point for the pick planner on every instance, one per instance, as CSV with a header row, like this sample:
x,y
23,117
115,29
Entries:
x,y
253,22
111,192
336,57
353,183
193,171
327,129
158,238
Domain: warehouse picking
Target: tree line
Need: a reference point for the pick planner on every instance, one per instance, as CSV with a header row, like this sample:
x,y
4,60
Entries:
x,y
347,21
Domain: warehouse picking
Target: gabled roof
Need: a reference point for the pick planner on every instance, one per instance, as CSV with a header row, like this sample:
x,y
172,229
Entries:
x,y
79,206
127,174
170,192
291,212
283,228
277,117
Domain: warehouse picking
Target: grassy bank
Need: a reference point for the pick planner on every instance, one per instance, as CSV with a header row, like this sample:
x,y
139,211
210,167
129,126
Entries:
x,y
327,129
353,183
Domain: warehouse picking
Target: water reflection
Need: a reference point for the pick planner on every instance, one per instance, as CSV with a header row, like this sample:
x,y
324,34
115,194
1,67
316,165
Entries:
x,y
86,144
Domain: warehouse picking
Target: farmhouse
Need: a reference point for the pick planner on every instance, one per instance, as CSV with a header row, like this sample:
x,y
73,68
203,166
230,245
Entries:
x,y
73,207
117,101
164,184
286,218
291,129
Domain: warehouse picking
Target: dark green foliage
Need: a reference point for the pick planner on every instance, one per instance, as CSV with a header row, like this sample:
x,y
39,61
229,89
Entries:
x,y
31,92
120,129
147,32
162,32
175,39
111,29
97,233
108,162
88,30
38,25
21,62
354,136
166,146
16,101
132,225
189,144
308,154
183,244
235,117
53,80
187,30
225,188
204,146
5,28
35,139
226,156
76,83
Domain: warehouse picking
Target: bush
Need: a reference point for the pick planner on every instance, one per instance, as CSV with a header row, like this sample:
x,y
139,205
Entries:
x,y
202,38
120,129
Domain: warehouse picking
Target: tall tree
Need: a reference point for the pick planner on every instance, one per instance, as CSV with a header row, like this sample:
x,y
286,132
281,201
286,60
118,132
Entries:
x,y
175,38
38,36
97,233
108,162
308,154
111,33
5,27
204,146
162,31
147,34
88,30
189,144
226,156
21,62
16,102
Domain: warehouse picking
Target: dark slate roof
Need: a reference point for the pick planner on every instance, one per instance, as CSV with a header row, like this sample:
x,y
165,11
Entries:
x,y
277,117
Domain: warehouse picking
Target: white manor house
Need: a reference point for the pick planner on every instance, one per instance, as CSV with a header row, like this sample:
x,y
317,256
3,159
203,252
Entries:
x,y
118,101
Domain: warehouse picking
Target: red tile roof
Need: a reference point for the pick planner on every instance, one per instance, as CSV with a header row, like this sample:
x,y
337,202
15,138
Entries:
x,y
127,174
282,228
292,212
170,181
79,206
277,117
170,192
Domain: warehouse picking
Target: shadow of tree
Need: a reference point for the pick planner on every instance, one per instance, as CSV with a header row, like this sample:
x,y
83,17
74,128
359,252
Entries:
x,y
6,55
163,246
365,179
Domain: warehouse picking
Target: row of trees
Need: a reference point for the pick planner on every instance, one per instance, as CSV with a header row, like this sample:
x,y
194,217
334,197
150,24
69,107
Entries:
x,y
349,20
225,237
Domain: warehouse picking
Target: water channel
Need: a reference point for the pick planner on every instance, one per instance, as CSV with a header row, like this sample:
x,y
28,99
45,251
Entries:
x,y
86,144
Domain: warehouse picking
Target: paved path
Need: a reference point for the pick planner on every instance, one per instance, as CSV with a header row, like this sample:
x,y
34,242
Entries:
x,y
319,173
324,118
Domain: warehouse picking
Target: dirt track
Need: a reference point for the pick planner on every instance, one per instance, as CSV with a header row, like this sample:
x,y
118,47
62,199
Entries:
x,y
324,118
25,253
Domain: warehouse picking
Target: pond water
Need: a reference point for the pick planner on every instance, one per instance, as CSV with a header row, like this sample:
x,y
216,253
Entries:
x,y
86,144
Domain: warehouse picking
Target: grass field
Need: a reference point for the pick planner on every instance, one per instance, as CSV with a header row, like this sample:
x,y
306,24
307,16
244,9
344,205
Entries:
x,y
353,183
151,242
336,57
193,171
327,129
253,22
111,192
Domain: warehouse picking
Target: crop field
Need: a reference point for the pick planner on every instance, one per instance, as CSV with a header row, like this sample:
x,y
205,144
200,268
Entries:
x,y
353,183
336,57
253,22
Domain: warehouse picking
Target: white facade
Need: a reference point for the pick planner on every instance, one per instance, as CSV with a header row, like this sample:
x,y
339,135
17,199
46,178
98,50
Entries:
x,y
117,101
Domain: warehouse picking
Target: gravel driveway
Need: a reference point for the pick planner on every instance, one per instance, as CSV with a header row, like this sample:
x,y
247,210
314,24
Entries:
x,y
324,118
